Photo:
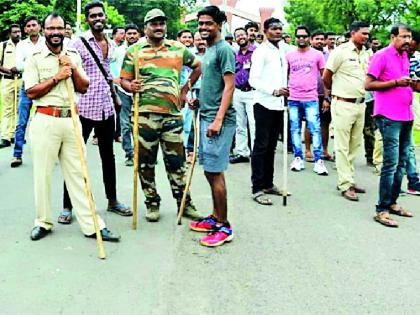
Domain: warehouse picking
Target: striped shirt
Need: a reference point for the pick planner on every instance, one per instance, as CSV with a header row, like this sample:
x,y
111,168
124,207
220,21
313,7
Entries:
x,y
96,103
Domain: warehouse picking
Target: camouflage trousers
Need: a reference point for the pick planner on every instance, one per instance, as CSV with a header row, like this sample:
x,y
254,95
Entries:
x,y
166,130
369,132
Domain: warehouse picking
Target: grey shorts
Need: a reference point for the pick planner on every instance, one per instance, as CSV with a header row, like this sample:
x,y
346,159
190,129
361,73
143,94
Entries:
x,y
214,152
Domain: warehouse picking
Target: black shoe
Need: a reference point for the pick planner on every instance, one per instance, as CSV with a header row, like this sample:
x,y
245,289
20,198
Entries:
x,y
16,161
39,232
238,159
4,143
107,236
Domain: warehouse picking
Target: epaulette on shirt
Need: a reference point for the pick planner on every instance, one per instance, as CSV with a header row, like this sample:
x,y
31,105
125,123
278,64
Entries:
x,y
72,50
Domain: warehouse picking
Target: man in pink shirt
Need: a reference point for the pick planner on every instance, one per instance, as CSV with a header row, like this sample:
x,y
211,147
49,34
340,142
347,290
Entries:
x,y
389,77
305,65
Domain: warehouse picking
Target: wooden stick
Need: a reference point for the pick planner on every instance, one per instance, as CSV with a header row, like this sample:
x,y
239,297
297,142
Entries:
x,y
136,139
16,99
191,169
285,129
88,186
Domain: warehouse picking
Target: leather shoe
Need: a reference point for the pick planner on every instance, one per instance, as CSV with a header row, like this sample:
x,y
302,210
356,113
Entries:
x,y
350,194
16,161
39,232
358,190
4,143
107,236
238,159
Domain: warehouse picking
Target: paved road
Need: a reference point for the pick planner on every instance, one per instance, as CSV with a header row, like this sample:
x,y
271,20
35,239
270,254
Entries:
x,y
319,255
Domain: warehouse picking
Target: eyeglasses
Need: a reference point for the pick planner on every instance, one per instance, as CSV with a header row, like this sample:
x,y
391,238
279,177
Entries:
x,y
95,15
302,36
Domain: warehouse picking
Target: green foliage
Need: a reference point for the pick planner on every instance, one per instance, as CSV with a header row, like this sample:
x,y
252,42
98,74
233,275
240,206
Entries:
x,y
338,15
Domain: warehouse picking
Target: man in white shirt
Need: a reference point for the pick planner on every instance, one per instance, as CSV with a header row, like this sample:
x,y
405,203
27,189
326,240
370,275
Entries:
x,y
268,76
25,49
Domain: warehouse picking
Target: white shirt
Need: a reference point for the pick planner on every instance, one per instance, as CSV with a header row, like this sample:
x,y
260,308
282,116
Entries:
x,y
268,73
26,48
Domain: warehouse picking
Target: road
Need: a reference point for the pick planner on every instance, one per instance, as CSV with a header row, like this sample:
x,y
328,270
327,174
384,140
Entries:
x,y
321,254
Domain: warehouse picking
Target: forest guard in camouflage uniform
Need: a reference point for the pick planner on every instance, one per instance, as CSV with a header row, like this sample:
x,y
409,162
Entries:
x,y
160,120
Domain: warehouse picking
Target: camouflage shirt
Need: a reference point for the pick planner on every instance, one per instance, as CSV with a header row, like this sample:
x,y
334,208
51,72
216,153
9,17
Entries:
x,y
160,70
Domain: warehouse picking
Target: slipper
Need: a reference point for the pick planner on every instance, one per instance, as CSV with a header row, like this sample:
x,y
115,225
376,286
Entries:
x,y
384,219
309,158
65,217
120,209
275,191
262,199
400,211
328,157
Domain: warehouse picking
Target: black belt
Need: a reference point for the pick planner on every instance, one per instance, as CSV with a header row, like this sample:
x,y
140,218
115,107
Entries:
x,y
11,77
246,88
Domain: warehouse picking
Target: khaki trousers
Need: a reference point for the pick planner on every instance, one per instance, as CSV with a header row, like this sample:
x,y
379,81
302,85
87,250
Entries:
x,y
348,121
51,139
416,109
377,151
8,117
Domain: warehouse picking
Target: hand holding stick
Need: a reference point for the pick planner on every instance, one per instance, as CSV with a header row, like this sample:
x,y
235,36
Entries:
x,y
136,139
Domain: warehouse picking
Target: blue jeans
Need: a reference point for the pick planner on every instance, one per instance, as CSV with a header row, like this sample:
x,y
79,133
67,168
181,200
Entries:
x,y
396,137
411,168
311,111
24,106
126,104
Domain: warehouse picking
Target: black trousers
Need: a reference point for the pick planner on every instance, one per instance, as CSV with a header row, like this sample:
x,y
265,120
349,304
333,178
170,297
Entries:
x,y
104,131
268,124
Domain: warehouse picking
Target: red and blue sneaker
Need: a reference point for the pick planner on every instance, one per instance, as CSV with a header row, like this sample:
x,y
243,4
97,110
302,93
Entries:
x,y
222,233
204,225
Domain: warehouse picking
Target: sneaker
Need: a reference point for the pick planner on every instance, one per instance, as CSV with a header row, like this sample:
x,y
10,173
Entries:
x,y
238,159
129,162
152,214
204,225
221,235
4,143
414,191
297,165
320,168
190,211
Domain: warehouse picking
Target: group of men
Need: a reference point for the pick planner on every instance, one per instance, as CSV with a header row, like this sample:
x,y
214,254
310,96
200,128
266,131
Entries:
x,y
240,90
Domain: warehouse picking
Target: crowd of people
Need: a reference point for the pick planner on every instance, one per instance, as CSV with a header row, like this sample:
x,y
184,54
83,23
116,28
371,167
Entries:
x,y
240,87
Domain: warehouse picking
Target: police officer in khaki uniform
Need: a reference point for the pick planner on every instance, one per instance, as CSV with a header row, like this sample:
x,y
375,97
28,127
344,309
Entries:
x,y
344,75
10,84
51,133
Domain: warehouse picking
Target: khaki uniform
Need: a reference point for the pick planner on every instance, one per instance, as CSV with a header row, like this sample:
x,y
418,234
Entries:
x,y
9,93
349,67
53,138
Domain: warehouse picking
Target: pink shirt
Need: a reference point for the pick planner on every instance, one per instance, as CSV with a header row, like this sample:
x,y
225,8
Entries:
x,y
304,70
395,103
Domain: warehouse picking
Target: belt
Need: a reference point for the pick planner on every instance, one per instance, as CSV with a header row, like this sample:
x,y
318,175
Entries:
x,y
350,100
246,88
58,112
11,77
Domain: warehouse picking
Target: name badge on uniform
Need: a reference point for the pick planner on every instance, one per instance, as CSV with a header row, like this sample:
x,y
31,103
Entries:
x,y
247,65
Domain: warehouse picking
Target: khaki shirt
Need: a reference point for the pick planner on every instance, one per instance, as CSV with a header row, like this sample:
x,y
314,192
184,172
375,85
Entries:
x,y
42,66
9,54
349,67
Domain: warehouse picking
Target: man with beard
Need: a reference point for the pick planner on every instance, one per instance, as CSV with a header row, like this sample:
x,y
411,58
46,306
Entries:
x,y
160,120
389,76
330,38
11,79
52,132
251,29
24,49
243,98
268,76
132,35
305,66
96,108
217,123
318,43
344,75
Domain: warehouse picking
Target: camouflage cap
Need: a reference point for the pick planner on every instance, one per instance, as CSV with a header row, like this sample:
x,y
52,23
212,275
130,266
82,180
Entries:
x,y
153,14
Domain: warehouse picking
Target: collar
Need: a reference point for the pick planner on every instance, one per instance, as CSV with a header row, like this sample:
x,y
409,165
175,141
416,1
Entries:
x,y
251,48
166,43
45,51
395,52
353,46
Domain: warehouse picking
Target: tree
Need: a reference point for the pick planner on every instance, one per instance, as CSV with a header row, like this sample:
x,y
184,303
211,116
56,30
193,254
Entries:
x,y
338,15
